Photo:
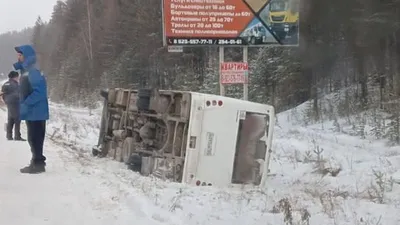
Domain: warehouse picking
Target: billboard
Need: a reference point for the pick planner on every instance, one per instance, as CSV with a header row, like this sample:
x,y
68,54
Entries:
x,y
234,72
231,22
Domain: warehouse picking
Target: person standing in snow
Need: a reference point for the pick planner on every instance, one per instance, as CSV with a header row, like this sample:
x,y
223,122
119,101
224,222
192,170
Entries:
x,y
34,106
10,94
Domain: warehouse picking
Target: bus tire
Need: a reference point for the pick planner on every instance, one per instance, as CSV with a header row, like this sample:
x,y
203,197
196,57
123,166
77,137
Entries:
x,y
127,149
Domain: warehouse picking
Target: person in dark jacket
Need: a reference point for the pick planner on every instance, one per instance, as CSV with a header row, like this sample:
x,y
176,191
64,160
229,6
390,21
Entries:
x,y
34,106
10,94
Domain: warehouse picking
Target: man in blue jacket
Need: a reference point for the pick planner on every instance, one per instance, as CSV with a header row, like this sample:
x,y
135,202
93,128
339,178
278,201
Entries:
x,y
10,94
34,107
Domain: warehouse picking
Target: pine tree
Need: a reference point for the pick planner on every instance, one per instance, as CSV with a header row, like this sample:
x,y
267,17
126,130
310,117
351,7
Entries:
x,y
37,33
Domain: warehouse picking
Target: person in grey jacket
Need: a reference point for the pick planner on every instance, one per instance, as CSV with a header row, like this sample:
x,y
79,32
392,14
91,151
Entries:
x,y
10,94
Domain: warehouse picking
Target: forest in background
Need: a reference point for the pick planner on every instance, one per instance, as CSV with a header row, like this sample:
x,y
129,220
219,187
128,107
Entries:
x,y
7,43
351,46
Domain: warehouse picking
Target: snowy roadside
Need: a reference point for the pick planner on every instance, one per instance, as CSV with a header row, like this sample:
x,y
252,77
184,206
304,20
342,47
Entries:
x,y
74,126
66,193
318,175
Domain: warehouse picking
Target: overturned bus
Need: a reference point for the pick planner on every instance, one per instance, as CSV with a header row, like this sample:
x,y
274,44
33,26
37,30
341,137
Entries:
x,y
188,137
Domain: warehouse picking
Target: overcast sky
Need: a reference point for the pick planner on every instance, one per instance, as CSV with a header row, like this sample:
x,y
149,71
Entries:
x,y
18,14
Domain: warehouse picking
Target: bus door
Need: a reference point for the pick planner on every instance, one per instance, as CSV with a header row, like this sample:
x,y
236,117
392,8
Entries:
x,y
216,152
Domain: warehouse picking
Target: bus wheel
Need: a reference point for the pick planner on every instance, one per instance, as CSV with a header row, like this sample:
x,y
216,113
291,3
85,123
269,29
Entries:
x,y
118,153
127,149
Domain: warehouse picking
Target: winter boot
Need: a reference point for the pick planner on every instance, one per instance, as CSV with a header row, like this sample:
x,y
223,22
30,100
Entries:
x,y
34,168
19,139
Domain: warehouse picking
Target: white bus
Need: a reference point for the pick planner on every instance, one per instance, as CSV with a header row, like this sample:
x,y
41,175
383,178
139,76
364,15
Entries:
x,y
187,137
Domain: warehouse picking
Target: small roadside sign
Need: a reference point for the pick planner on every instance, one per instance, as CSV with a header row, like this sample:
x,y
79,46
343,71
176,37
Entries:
x,y
234,72
173,48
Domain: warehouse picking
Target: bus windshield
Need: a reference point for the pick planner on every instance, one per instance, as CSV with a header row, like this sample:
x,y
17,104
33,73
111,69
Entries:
x,y
277,6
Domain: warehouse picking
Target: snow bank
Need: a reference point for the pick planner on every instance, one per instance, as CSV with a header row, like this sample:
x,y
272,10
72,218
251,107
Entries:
x,y
76,126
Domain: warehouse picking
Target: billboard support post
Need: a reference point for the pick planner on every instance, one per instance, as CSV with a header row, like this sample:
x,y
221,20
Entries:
x,y
246,83
221,60
228,23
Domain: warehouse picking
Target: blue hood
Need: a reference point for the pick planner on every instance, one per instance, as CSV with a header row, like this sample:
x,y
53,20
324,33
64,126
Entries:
x,y
29,57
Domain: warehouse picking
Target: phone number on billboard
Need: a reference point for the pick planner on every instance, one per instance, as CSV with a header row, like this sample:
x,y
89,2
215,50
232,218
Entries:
x,y
203,41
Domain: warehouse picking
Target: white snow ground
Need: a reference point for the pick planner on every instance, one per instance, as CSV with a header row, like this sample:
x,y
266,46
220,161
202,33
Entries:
x,y
80,189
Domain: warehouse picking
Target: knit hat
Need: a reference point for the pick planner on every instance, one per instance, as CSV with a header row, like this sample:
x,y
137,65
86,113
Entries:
x,y
13,74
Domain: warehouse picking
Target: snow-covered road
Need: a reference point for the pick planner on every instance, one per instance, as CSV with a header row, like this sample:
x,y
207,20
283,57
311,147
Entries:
x,y
65,194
